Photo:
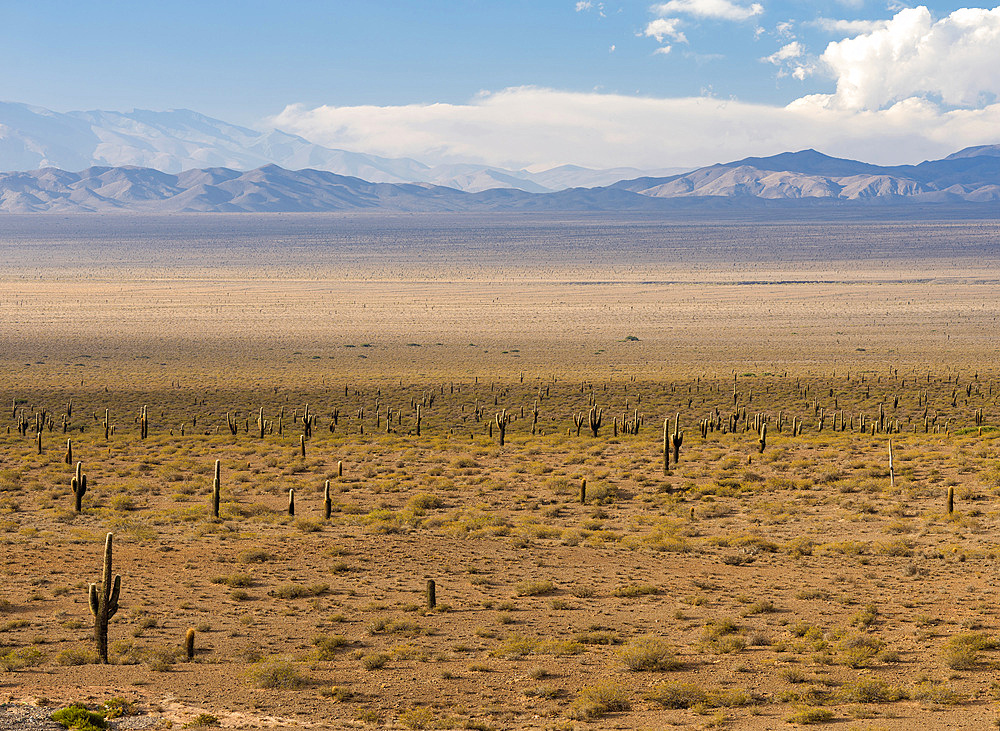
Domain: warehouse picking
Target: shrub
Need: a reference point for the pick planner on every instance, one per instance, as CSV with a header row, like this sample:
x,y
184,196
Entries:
x,y
78,717
634,590
596,700
76,656
677,695
807,716
375,660
534,588
297,591
871,690
961,652
648,653
280,674
327,646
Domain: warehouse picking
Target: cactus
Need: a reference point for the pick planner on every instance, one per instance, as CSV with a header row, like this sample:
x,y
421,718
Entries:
x,y
418,420
302,445
79,485
763,437
291,501
583,491
578,422
216,488
143,424
951,500
327,503
594,419
231,423
677,438
502,420
104,602
431,594
69,451
189,644
340,468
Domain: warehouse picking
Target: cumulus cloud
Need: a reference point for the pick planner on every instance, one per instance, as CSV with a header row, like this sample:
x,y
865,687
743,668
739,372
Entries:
x,y
955,60
535,126
911,89
718,9
662,28
786,52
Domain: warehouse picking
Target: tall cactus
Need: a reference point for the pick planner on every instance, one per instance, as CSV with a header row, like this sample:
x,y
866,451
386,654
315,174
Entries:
x,y
502,420
595,419
216,488
79,485
104,603
677,438
327,502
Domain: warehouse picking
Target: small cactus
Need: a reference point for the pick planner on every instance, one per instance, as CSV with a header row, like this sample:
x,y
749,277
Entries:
x,y
327,503
583,491
951,500
677,439
291,501
431,594
189,644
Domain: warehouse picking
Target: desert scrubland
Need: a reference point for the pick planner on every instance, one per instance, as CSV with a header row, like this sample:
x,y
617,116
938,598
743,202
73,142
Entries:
x,y
761,581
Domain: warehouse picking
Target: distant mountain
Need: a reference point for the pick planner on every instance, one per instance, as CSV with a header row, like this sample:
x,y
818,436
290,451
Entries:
x,y
971,175
790,181
177,140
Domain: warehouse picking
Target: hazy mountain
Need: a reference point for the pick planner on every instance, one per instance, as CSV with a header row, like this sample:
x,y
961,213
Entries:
x,y
789,180
971,175
177,140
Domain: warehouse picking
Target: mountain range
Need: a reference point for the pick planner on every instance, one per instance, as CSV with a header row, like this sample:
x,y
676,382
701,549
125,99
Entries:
x,y
183,161
177,140
789,180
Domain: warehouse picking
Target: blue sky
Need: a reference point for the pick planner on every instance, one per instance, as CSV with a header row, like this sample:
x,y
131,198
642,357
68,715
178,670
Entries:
x,y
247,62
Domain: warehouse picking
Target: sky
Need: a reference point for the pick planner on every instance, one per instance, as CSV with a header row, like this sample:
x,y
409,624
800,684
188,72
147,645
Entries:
x,y
533,83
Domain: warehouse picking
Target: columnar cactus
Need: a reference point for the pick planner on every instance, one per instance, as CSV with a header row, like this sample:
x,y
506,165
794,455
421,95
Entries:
x,y
69,451
327,502
79,485
104,602
216,488
189,644
677,438
762,442
595,419
291,501
502,420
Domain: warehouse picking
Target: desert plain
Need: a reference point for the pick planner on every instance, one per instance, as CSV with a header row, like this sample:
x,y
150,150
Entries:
x,y
750,585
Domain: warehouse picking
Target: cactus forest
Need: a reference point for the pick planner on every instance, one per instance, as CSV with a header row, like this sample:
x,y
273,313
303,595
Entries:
x,y
614,475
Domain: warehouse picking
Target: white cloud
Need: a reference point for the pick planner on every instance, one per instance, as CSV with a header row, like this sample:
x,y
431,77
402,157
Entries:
x,y
534,126
584,5
955,59
719,9
786,52
846,27
662,28
911,89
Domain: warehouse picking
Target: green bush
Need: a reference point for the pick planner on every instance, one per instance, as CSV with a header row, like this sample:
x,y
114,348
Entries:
x,y
79,718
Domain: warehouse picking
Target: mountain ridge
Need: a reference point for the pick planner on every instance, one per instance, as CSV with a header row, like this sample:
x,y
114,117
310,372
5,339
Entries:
x,y
176,140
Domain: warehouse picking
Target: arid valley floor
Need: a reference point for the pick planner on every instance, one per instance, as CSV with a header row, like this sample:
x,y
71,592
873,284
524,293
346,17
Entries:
x,y
755,586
